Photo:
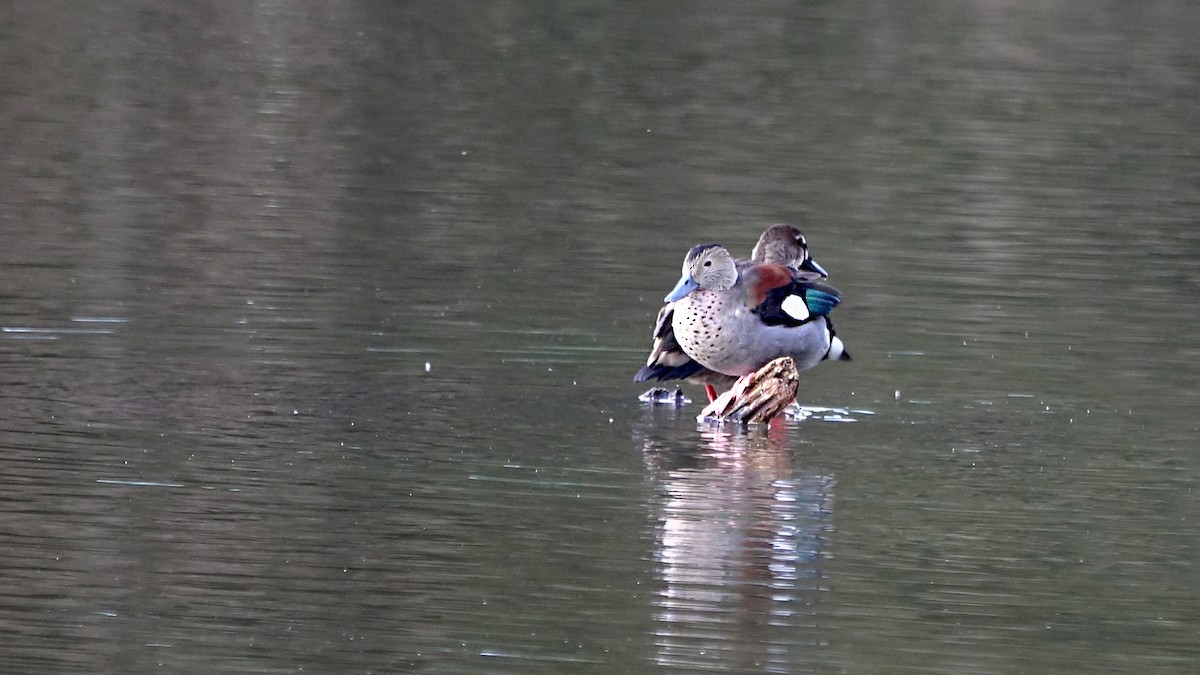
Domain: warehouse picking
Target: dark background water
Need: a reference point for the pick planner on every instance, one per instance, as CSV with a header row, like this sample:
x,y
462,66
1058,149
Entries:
x,y
318,324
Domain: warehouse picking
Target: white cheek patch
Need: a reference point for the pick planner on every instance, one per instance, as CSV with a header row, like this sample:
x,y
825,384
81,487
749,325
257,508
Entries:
x,y
794,306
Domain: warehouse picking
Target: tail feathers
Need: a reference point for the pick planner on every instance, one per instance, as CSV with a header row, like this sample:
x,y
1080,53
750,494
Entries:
x,y
837,350
661,372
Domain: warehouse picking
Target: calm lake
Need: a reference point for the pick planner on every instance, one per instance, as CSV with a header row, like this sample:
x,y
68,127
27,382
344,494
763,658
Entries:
x,y
318,322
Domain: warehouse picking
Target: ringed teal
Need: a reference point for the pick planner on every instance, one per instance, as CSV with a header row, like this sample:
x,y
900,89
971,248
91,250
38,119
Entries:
x,y
733,319
780,244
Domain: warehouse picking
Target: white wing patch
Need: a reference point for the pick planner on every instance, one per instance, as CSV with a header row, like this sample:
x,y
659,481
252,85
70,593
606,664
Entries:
x,y
794,306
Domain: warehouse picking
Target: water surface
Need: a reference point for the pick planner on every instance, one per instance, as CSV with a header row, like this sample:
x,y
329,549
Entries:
x,y
317,324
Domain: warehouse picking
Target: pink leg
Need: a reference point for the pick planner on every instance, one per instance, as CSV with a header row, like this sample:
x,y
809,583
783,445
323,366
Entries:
x,y
712,393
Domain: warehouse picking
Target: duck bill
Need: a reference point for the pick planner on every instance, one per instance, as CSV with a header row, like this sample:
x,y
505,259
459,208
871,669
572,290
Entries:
x,y
686,285
811,265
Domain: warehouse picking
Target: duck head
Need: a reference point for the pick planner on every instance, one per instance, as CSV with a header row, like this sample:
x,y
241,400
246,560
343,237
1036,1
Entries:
x,y
708,267
786,245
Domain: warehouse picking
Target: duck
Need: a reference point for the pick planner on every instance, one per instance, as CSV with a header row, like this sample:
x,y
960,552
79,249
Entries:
x,y
779,244
782,244
733,318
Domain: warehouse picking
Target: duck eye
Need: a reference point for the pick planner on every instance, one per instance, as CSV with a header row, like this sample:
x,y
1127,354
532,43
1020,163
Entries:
x,y
708,263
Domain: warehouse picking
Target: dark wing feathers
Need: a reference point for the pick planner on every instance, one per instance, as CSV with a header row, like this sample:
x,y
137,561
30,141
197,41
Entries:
x,y
819,298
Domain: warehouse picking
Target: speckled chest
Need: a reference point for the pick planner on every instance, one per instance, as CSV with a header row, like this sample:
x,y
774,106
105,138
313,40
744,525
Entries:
x,y
706,326
721,333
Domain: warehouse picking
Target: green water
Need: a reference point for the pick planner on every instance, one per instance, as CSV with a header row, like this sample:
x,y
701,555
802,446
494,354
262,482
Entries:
x,y
319,321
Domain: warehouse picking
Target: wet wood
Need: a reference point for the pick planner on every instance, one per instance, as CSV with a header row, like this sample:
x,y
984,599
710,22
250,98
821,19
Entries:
x,y
758,397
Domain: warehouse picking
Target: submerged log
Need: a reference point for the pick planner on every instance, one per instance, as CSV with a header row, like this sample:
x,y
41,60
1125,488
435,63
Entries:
x,y
757,397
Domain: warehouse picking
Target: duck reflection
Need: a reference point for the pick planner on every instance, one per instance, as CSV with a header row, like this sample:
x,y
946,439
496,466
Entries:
x,y
740,536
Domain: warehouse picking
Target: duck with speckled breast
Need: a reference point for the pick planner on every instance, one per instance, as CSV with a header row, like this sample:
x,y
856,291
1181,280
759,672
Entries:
x,y
727,318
